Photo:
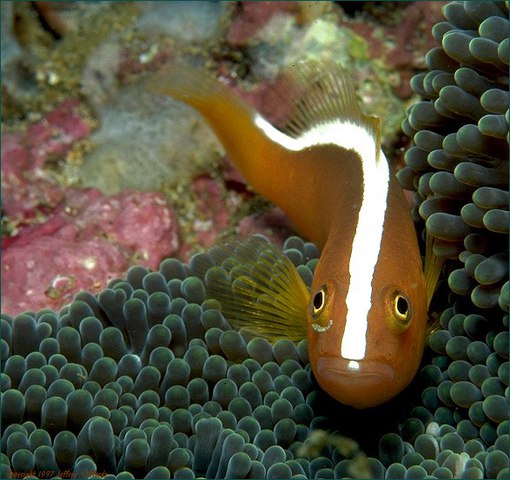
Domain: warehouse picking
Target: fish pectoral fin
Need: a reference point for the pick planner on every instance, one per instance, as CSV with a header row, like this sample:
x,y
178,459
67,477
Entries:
x,y
432,269
259,289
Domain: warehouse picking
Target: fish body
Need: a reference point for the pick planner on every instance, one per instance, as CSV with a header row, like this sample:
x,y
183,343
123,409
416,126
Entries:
x,y
366,312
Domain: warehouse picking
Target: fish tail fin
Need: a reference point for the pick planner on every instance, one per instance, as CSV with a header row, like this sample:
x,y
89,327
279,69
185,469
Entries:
x,y
258,158
196,87
229,116
259,289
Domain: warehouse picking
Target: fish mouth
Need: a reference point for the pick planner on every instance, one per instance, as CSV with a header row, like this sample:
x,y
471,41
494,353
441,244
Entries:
x,y
337,369
360,384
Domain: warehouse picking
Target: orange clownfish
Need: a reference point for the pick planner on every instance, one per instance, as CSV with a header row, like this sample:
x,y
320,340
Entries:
x,y
365,315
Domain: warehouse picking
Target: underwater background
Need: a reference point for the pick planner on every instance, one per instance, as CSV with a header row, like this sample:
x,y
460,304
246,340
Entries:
x,y
113,361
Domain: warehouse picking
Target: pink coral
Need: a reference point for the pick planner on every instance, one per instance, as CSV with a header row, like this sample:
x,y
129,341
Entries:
x,y
66,239
211,205
26,188
274,224
251,16
402,47
87,240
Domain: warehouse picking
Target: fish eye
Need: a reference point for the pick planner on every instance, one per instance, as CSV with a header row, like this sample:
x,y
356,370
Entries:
x,y
318,302
402,309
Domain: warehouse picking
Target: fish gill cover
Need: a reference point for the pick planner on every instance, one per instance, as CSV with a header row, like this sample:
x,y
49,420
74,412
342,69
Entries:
x,y
147,380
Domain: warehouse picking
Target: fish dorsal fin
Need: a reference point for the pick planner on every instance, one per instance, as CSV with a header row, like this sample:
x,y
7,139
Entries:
x,y
322,93
258,288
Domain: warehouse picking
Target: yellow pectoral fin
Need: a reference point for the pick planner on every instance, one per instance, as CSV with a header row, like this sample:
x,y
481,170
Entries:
x,y
432,269
258,288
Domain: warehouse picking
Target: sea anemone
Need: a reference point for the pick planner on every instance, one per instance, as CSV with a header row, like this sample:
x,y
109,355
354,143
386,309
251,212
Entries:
x,y
458,161
147,377
143,381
